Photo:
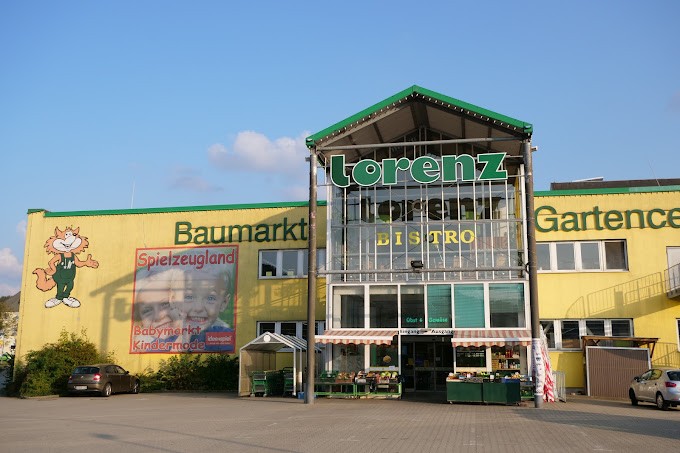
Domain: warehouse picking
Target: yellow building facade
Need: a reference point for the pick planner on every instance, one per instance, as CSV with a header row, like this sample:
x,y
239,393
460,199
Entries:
x,y
125,261
606,261
603,262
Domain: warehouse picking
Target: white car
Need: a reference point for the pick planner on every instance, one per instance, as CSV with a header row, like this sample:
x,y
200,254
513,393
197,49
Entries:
x,y
658,385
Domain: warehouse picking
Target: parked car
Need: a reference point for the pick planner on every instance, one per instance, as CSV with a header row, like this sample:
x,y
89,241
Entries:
x,y
104,379
658,385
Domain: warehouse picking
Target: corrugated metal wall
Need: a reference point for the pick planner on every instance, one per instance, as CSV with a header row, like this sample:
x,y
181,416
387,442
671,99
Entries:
x,y
610,370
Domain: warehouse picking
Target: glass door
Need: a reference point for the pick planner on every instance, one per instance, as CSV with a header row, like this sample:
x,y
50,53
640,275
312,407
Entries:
x,y
426,361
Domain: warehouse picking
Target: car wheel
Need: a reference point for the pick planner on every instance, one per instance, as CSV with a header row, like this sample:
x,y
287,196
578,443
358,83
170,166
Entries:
x,y
135,387
661,403
107,390
633,399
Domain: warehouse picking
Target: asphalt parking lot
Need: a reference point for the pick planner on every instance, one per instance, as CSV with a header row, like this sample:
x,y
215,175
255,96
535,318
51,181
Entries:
x,y
181,422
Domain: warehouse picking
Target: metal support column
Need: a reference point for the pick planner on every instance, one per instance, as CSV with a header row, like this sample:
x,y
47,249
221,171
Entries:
x,y
537,358
311,284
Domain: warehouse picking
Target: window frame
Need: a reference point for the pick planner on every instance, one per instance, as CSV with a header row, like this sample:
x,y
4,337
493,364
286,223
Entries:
x,y
582,330
301,268
299,327
578,258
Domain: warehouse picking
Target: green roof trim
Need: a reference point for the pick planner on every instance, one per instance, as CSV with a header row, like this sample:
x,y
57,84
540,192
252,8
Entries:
x,y
611,190
415,89
231,207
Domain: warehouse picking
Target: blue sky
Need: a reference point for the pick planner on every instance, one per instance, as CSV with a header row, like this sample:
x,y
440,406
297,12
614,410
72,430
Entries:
x,y
108,105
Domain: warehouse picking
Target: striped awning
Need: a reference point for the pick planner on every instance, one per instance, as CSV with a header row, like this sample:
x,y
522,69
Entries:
x,y
491,337
356,336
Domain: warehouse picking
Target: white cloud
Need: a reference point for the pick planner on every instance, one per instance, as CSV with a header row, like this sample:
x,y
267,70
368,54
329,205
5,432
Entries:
x,y
252,151
9,264
190,179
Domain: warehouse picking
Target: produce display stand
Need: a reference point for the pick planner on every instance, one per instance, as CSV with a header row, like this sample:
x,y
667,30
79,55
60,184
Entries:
x,y
526,389
258,383
478,390
288,380
274,383
333,384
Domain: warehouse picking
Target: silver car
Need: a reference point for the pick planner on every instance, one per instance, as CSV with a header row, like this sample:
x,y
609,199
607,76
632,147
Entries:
x,y
658,385
104,379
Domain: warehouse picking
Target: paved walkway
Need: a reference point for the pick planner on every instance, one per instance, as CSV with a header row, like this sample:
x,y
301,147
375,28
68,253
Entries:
x,y
216,422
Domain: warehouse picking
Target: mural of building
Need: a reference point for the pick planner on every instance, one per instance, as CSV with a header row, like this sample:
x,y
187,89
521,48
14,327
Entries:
x,y
423,259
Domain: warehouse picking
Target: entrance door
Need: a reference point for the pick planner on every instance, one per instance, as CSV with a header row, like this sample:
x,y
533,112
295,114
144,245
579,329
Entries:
x,y
426,361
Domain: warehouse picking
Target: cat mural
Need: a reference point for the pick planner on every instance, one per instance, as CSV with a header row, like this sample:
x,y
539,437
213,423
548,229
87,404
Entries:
x,y
61,271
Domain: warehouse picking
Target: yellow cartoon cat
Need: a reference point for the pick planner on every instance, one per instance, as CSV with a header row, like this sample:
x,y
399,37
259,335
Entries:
x,y
61,272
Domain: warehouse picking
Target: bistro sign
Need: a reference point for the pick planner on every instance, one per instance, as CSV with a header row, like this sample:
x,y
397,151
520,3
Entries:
x,y
424,169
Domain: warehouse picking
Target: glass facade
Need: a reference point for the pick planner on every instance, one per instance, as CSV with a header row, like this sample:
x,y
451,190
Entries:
x,y
469,237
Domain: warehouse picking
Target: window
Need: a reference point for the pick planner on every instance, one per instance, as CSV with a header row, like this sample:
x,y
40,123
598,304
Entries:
x,y
590,255
439,306
582,256
383,306
506,305
291,328
564,254
571,339
469,305
567,333
472,357
549,331
543,256
290,263
384,355
595,327
678,322
621,328
412,306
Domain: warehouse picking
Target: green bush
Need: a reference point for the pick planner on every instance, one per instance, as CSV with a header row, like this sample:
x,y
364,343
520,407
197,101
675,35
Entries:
x,y
210,372
47,370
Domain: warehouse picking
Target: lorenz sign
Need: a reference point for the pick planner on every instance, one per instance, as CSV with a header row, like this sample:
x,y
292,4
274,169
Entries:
x,y
424,169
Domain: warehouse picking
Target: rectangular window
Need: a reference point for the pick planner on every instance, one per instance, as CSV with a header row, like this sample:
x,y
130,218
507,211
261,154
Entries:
x,y
439,306
348,307
549,331
506,305
412,306
678,325
595,327
471,357
266,327
543,256
564,252
615,255
581,256
469,305
383,306
291,328
289,263
590,255
571,338
621,328
384,355
566,333
268,264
